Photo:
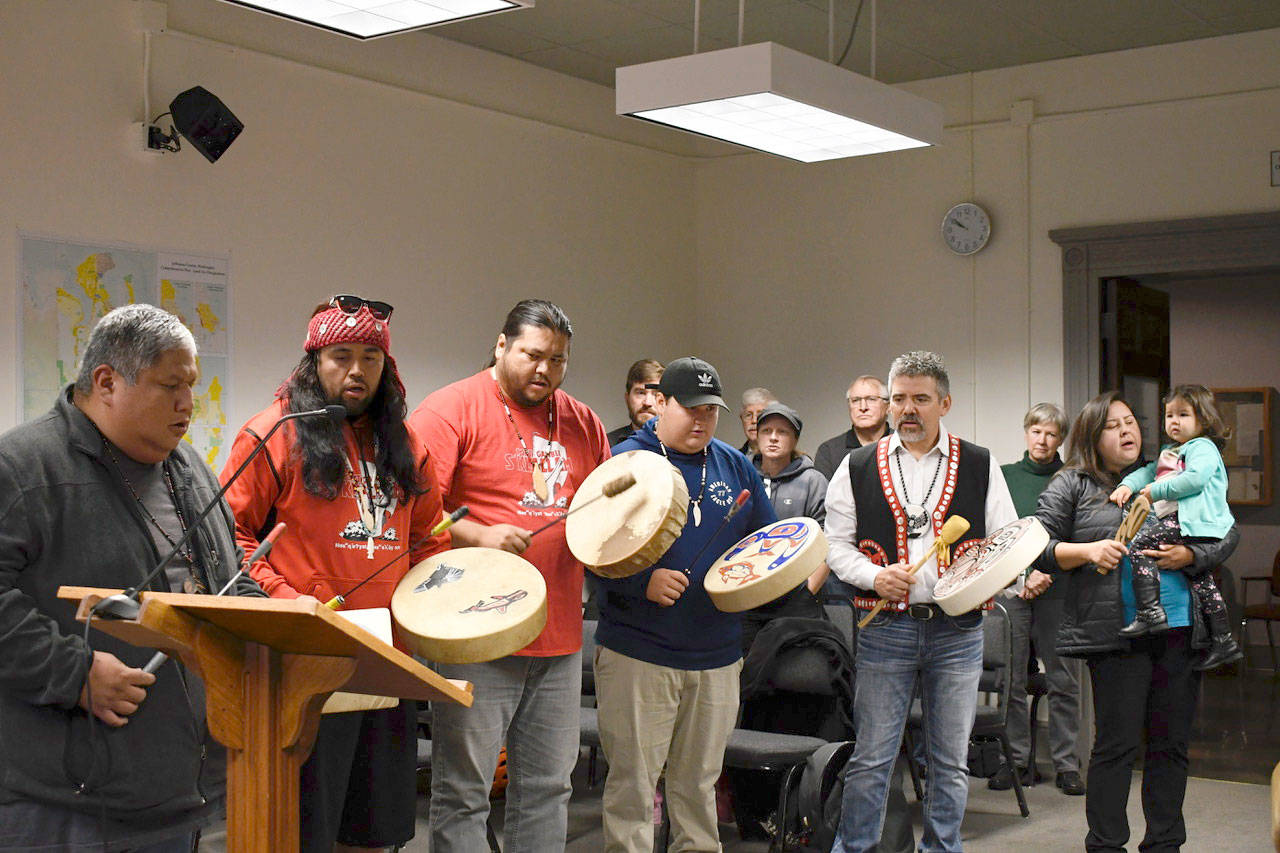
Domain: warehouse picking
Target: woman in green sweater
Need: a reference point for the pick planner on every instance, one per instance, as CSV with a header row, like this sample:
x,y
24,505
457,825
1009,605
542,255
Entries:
x,y
1034,614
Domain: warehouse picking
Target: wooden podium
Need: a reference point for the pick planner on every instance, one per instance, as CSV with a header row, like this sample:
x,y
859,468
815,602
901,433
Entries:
x,y
268,664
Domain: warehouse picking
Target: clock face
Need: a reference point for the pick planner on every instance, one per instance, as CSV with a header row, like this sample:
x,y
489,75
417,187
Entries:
x,y
966,228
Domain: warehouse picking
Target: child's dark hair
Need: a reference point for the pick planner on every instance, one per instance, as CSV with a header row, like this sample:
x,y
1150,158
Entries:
x,y
1200,399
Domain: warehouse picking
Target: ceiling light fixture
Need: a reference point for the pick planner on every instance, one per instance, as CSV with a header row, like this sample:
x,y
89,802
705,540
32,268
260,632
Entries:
x,y
779,101
369,19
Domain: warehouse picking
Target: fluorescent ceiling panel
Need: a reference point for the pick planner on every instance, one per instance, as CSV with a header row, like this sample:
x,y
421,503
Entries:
x,y
779,101
367,19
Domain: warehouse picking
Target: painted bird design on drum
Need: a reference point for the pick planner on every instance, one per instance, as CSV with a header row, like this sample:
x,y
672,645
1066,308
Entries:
x,y
441,576
500,603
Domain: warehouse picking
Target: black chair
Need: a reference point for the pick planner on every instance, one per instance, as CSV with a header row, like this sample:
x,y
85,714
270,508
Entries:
x,y
810,670
1265,612
841,613
589,720
997,662
990,722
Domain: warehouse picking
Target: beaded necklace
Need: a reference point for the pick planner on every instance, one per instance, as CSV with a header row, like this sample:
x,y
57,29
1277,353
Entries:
x,y
539,478
192,583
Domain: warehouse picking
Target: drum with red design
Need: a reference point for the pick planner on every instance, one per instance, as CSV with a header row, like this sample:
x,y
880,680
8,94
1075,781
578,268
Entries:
x,y
766,564
470,605
997,561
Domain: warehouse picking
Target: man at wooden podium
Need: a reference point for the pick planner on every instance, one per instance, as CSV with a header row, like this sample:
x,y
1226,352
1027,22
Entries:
x,y
91,494
354,496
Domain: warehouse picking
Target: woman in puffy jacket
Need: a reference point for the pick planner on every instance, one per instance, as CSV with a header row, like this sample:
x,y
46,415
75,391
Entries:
x,y
1143,685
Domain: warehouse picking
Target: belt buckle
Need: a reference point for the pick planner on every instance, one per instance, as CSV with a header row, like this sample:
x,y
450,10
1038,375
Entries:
x,y
920,612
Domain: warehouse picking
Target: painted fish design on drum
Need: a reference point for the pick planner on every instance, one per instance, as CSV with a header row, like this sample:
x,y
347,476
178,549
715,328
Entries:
x,y
441,576
500,603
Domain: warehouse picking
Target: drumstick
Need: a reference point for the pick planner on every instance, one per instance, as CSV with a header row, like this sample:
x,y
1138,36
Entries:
x,y
337,601
1133,521
611,489
738,503
952,529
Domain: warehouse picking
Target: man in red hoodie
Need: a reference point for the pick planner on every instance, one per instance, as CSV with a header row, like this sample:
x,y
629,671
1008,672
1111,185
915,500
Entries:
x,y
354,496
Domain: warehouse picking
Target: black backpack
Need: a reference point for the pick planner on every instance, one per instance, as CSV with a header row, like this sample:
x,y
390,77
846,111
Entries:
x,y
819,795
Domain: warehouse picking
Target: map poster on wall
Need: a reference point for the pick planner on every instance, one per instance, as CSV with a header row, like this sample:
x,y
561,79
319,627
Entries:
x,y
68,286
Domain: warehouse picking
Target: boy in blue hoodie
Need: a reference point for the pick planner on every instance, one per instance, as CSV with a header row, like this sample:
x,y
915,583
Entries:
x,y
667,660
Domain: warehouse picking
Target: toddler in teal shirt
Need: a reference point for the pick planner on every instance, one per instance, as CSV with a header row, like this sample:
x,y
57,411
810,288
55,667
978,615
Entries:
x,y
1187,487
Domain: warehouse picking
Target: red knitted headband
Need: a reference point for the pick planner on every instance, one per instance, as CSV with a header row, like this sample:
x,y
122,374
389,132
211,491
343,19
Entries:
x,y
334,326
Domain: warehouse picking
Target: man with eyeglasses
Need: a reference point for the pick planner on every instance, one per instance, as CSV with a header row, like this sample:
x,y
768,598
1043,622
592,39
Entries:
x,y
354,496
754,401
869,415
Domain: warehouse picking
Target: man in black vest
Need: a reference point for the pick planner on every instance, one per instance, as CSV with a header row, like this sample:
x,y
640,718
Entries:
x,y
884,510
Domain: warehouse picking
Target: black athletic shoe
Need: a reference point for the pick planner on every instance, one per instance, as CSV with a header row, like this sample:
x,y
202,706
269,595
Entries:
x,y
1070,783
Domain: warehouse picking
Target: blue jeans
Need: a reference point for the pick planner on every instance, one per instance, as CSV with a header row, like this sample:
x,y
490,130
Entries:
x,y
530,705
895,652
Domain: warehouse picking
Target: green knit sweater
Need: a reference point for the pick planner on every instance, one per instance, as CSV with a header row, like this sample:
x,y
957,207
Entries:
x,y
1027,479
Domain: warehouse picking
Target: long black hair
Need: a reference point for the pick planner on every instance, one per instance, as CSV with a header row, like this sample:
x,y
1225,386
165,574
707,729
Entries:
x,y
322,448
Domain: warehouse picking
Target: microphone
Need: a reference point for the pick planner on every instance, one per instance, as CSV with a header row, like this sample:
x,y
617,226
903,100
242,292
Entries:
x,y
738,503
263,549
124,605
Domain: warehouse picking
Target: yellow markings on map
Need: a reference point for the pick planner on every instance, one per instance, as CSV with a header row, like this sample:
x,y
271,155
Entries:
x,y
169,300
209,320
89,277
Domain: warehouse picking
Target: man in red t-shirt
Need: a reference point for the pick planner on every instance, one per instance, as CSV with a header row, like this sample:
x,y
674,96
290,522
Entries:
x,y
514,449
354,496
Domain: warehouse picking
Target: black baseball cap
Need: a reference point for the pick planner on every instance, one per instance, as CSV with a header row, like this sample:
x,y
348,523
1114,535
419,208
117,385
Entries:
x,y
692,382
783,411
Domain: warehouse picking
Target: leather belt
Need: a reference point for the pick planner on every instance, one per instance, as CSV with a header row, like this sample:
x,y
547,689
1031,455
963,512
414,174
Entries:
x,y
923,612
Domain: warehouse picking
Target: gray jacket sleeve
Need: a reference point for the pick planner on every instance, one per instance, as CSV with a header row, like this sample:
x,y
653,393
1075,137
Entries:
x,y
815,502
38,663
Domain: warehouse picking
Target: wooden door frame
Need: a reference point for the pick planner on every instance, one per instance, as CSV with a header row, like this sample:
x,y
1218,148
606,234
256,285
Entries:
x,y
1243,242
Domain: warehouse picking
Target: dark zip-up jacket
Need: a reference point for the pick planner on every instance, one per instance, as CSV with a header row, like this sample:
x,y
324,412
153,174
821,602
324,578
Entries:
x,y
1073,508
66,517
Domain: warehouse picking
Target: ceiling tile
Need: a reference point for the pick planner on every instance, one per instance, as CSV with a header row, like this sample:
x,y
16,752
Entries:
x,y
492,35
1101,41
681,11
1209,9
1248,22
575,63
1085,23
650,45
570,22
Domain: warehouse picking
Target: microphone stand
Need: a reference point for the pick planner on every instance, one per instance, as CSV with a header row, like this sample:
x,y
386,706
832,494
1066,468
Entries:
x,y
125,605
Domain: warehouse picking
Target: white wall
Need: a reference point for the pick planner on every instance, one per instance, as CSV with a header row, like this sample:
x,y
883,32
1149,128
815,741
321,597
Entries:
x,y
792,276
810,275
450,212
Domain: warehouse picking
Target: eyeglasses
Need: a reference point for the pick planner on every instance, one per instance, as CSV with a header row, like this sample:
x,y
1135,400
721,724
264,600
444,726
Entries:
x,y
866,401
349,304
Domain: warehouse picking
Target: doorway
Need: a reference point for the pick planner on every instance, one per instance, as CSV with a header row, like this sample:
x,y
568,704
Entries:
x,y
1219,262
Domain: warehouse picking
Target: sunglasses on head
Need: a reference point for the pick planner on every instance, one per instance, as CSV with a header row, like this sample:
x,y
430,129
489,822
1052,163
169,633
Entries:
x,y
349,304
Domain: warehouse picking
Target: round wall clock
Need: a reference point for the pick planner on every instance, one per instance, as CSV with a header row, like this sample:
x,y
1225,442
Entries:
x,y
966,228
